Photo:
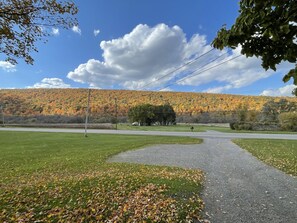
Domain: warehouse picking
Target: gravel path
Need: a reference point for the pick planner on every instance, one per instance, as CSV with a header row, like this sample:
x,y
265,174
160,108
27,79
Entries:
x,y
238,187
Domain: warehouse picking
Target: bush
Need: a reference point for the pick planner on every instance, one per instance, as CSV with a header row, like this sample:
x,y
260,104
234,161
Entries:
x,y
114,120
247,126
255,126
288,121
240,126
232,125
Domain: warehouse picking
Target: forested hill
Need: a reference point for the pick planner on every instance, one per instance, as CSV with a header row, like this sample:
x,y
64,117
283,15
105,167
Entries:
x,y
74,101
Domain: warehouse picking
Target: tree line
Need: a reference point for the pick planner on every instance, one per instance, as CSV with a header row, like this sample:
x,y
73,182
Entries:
x,y
275,115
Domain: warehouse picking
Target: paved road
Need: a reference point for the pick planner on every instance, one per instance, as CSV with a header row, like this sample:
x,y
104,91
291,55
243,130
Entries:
x,y
208,134
238,187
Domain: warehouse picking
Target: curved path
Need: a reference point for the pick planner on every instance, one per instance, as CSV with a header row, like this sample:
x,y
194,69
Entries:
x,y
238,187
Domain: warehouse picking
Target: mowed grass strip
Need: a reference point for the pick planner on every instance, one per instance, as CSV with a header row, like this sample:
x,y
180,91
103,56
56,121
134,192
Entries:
x,y
281,154
60,177
168,128
197,128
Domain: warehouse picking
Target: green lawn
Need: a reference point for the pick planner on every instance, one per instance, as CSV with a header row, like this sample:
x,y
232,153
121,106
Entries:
x,y
174,128
228,130
170,128
60,177
281,154
197,128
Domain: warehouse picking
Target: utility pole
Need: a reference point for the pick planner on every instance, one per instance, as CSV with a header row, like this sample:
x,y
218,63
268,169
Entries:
x,y
116,112
2,110
87,113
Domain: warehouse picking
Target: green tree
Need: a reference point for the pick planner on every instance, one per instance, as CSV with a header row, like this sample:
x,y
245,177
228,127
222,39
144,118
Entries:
x,y
242,113
23,23
165,114
272,109
265,29
147,114
143,114
288,121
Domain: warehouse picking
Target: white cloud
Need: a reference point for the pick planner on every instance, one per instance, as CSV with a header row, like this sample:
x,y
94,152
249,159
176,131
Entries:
x,y
234,74
50,83
166,89
76,29
140,57
282,91
55,31
96,32
7,66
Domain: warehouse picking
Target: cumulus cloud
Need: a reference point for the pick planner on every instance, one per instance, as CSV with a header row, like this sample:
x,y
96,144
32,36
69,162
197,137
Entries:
x,y
50,83
140,57
233,74
282,91
55,31
96,32
7,66
76,29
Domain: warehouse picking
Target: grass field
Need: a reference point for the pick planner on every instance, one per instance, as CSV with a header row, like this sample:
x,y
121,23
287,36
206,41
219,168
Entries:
x,y
170,128
60,177
174,128
197,128
281,154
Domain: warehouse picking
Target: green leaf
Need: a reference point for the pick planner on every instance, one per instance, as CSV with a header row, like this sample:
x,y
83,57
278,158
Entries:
x,y
285,28
291,74
269,18
286,78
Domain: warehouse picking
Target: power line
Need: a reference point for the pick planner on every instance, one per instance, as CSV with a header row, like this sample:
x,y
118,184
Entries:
x,y
205,65
196,69
176,69
200,72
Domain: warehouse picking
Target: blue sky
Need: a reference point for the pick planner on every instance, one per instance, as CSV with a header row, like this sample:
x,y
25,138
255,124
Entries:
x,y
138,44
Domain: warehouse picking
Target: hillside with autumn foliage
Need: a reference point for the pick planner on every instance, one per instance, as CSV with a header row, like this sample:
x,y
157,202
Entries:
x,y
73,102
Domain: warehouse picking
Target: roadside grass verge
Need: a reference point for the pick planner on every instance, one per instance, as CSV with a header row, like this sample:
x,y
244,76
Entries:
x,y
197,128
228,130
61,177
174,128
170,128
281,154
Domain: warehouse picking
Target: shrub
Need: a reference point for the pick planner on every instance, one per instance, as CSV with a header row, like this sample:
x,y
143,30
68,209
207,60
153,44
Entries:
x,y
247,126
288,121
255,126
242,126
272,109
232,125
114,120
